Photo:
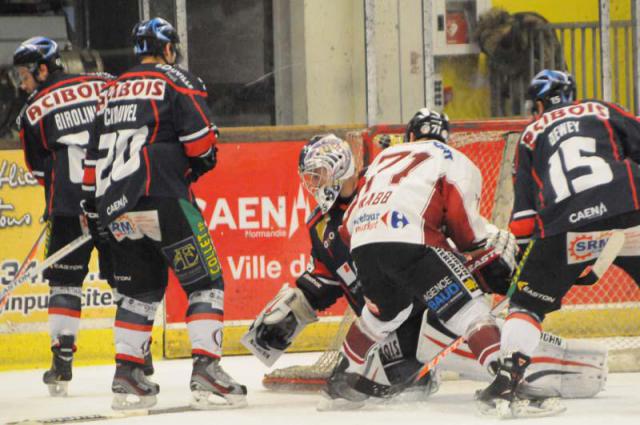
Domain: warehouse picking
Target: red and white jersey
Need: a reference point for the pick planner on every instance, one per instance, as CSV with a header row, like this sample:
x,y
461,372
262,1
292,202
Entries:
x,y
419,193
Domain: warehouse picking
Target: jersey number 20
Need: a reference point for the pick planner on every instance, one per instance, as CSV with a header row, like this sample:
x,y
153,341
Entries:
x,y
122,160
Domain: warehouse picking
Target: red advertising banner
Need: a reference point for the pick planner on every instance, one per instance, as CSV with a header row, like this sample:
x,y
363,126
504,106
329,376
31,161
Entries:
x,y
256,209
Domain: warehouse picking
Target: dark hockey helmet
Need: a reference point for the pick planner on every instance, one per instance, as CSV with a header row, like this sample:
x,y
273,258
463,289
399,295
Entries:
x,y
150,37
428,124
324,164
552,88
37,51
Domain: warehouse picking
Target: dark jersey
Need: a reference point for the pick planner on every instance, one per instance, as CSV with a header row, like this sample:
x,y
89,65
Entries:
x,y
55,130
331,273
149,122
575,164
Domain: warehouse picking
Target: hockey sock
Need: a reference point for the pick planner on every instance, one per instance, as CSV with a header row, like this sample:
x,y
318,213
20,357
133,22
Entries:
x,y
365,332
520,332
484,341
132,330
204,322
356,346
64,311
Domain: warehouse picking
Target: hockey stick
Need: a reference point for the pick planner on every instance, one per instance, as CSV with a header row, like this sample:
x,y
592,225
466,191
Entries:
x,y
113,414
605,259
48,262
25,264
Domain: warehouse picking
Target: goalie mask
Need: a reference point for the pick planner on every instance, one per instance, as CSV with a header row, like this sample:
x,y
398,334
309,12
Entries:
x,y
427,124
325,163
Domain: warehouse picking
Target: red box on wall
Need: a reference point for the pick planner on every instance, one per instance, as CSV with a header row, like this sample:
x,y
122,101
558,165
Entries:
x,y
457,28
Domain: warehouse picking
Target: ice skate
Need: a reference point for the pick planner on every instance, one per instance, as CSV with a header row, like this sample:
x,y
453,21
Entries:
x,y
502,398
57,378
421,390
340,393
212,388
132,390
148,359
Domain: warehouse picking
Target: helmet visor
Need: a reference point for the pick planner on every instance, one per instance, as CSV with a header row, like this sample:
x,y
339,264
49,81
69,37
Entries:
x,y
22,76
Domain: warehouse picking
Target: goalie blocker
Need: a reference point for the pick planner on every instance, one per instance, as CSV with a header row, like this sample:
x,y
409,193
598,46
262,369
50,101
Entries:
x,y
278,324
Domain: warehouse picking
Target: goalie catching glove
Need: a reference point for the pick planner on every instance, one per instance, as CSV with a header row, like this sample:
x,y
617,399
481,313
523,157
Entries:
x,y
278,324
495,276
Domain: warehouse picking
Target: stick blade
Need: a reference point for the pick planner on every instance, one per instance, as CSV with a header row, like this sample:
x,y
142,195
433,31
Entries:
x,y
609,253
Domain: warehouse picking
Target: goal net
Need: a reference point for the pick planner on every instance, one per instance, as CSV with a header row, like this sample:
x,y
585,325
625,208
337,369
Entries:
x,y
608,311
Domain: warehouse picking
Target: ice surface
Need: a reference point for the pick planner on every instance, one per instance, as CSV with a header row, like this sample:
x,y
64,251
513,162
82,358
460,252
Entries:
x,y
23,396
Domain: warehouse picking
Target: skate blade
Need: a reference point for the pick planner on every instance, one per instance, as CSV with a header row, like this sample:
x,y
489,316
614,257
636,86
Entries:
x,y
328,404
537,408
58,389
133,401
505,409
206,400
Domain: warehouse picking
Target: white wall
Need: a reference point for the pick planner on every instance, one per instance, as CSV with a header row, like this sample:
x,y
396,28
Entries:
x,y
320,63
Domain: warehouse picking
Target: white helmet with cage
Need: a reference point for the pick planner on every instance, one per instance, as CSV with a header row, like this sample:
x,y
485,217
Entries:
x,y
325,163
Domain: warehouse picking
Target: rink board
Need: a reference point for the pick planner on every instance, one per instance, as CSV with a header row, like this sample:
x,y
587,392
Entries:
x,y
257,224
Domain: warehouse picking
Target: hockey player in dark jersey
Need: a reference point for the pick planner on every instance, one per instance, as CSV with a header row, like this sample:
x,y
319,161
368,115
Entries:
x,y
576,179
155,138
55,129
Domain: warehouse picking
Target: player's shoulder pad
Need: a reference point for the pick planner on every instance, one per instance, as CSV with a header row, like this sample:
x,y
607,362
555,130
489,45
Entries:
x,y
22,114
615,108
182,77
529,134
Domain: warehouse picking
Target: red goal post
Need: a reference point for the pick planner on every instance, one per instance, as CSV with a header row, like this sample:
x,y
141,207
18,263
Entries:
x,y
609,311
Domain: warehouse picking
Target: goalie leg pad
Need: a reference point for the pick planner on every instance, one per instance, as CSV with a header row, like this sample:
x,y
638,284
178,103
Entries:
x,y
278,324
566,368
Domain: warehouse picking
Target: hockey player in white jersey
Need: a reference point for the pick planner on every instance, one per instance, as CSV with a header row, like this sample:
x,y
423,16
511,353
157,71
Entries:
x,y
415,198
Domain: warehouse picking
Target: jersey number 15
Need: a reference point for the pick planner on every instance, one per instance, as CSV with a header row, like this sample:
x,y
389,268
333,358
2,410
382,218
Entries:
x,y
571,155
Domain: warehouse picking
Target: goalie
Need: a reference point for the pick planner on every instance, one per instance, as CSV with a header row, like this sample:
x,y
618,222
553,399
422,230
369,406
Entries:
x,y
329,173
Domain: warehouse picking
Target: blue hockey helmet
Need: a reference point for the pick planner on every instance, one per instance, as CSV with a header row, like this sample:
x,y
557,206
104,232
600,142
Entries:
x,y
552,88
325,163
150,37
36,51
428,124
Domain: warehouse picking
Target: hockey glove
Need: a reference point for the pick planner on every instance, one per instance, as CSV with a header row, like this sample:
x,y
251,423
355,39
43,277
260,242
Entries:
x,y
99,234
495,277
201,164
277,335
282,319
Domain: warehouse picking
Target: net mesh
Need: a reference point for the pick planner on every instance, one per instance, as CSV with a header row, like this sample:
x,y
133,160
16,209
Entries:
x,y
609,310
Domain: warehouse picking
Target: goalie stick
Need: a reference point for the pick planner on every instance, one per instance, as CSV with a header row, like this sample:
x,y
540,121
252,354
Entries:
x,y
48,262
605,259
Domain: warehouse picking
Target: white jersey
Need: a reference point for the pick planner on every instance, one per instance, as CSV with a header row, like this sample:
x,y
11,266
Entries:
x,y
419,193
